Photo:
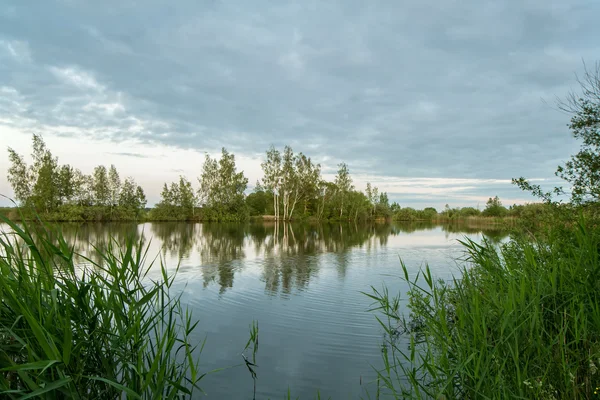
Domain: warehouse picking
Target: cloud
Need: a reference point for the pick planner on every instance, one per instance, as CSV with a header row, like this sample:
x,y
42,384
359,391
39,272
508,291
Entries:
x,y
422,89
15,49
78,78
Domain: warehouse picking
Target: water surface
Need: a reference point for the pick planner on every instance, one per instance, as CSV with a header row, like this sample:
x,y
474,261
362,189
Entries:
x,y
303,285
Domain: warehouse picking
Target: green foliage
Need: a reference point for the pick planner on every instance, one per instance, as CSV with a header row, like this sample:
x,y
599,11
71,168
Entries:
x,y
101,188
292,180
272,176
222,189
522,322
494,208
411,214
104,331
19,177
114,186
63,193
343,183
466,212
258,203
178,202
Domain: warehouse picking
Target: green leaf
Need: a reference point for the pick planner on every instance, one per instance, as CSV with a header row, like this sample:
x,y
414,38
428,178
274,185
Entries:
x,y
43,365
47,388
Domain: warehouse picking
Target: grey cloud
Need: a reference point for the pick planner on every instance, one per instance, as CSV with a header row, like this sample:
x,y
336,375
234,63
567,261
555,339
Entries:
x,y
417,88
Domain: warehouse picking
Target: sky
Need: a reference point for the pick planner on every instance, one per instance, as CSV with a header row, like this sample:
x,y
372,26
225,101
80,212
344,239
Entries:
x,y
435,102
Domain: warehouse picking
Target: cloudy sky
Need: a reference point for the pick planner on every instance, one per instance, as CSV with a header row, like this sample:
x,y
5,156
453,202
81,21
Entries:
x,y
434,101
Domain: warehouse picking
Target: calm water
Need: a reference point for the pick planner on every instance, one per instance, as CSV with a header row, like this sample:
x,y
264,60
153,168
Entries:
x,y
302,284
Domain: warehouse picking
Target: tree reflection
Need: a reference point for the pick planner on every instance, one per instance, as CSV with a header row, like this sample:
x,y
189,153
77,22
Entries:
x,y
91,239
287,254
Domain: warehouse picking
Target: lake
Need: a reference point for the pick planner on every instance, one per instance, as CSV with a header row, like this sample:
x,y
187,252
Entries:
x,y
303,285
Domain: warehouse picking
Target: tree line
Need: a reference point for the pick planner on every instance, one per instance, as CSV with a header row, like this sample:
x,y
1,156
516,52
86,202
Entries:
x,y
292,187
62,192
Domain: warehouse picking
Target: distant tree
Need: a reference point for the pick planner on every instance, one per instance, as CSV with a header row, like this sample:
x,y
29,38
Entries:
x,y
326,191
101,186
343,182
222,187
289,180
44,172
358,205
383,200
19,177
132,199
372,194
272,176
141,198
308,176
67,184
469,212
187,197
257,202
114,185
494,208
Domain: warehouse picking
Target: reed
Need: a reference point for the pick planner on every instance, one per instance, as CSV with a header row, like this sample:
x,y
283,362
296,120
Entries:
x,y
521,322
103,331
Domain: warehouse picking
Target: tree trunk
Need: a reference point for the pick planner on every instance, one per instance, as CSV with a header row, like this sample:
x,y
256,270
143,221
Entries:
x,y
294,204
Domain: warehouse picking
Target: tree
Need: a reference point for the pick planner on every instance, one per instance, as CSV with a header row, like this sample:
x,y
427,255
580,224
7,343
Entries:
x,y
19,177
101,187
67,184
309,176
257,201
44,172
289,180
187,197
222,187
494,208
582,171
114,185
384,200
272,176
132,199
343,181
141,197
326,190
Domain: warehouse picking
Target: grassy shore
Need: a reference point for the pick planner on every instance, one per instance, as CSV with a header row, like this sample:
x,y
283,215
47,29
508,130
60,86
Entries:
x,y
520,321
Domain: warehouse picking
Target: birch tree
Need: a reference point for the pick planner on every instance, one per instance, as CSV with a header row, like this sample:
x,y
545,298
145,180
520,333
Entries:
x,y
114,185
343,181
272,176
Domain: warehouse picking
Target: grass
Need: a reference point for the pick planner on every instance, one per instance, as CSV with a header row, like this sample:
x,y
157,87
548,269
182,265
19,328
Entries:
x,y
105,331
522,322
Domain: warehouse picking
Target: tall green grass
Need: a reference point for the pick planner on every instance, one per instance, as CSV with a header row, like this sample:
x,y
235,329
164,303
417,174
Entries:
x,y
104,331
522,322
